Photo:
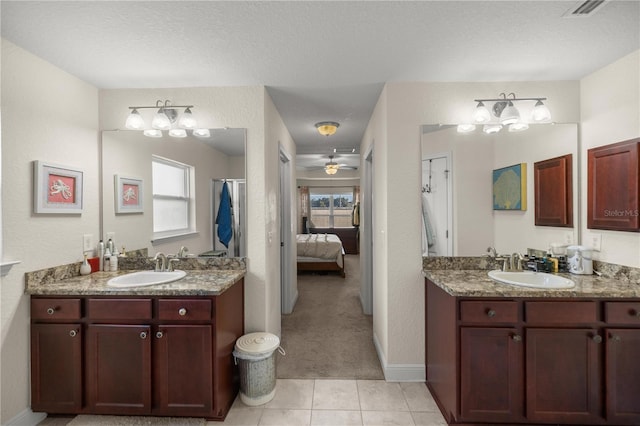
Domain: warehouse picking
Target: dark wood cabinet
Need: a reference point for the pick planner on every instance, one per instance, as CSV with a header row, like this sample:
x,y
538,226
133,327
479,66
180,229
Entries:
x,y
165,356
533,360
553,187
56,367
613,188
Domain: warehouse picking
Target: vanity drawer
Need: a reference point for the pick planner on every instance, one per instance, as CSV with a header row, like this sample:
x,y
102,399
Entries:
x,y
627,313
569,313
55,309
184,309
119,309
489,311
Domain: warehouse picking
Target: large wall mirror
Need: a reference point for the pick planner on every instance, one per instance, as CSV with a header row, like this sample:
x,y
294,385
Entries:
x,y
459,218
215,160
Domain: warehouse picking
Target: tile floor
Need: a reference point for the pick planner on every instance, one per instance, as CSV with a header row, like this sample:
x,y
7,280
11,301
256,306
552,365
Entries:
x,y
331,402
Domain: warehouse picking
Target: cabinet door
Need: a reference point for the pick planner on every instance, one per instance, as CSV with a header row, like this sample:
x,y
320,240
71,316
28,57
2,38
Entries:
x,y
563,375
623,376
56,368
491,378
119,369
183,363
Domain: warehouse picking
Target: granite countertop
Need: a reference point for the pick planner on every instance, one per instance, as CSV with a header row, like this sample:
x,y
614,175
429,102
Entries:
x,y
476,283
195,283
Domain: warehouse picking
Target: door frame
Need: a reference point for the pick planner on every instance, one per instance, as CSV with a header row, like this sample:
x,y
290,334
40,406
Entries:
x,y
288,291
366,233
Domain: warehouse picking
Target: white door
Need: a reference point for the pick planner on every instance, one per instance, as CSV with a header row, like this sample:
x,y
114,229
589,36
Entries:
x,y
437,214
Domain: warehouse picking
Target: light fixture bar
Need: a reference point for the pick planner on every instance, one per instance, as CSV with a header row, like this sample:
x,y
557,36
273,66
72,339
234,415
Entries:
x,y
509,99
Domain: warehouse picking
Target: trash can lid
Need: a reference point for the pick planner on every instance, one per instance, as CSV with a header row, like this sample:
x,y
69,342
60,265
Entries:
x,y
257,343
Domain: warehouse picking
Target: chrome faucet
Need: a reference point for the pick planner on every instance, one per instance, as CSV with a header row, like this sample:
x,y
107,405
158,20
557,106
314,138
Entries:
x,y
492,252
183,251
160,257
515,262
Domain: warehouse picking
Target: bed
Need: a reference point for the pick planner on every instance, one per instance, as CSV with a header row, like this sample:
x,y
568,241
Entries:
x,y
320,252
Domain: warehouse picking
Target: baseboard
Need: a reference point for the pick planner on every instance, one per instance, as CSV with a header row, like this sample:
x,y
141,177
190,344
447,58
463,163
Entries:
x,y
26,418
399,372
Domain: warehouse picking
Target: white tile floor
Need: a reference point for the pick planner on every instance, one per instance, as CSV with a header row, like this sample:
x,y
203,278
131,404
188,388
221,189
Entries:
x,y
317,402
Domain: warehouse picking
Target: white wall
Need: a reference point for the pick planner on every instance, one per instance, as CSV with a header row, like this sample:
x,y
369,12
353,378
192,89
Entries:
x,y
48,115
610,112
395,126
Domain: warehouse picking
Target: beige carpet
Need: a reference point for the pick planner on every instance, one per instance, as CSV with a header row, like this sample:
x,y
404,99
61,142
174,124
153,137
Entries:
x,y
327,335
91,420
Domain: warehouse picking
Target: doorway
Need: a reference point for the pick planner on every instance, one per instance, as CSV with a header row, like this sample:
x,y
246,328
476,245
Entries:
x,y
437,205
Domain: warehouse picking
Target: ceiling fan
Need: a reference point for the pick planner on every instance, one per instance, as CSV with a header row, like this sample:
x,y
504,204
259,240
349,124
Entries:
x,y
331,167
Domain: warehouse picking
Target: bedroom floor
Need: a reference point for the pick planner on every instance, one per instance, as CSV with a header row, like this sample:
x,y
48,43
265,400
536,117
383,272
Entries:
x,y
328,335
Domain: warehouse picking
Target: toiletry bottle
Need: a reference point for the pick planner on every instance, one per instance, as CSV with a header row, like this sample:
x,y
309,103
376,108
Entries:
x,y
85,268
101,254
113,263
107,257
111,246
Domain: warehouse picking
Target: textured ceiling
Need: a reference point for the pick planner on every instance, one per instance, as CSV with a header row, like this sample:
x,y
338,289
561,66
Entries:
x,y
320,60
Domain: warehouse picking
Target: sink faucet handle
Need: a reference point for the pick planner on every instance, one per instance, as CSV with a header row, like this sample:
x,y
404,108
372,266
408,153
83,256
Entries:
x,y
170,263
492,252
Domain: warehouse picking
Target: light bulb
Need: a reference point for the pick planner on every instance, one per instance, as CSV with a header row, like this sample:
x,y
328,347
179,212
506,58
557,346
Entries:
x,y
201,133
178,133
153,133
161,121
518,126
466,128
481,114
491,128
186,120
134,121
540,112
509,115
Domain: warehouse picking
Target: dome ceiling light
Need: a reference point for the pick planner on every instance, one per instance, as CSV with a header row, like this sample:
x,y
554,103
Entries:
x,y
327,128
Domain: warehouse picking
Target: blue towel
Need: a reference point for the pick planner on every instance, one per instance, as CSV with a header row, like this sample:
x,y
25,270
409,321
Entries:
x,y
223,220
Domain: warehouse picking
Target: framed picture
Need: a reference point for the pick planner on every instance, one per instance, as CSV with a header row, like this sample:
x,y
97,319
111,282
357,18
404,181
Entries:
x,y
128,192
56,189
510,188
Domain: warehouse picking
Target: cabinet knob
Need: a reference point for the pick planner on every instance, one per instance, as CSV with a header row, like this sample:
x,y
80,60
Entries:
x,y
517,338
491,313
159,335
616,338
73,333
635,313
182,312
597,338
51,311
143,334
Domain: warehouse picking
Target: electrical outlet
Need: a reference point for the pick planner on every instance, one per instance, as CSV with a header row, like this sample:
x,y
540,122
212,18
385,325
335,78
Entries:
x,y
110,236
568,238
595,241
87,242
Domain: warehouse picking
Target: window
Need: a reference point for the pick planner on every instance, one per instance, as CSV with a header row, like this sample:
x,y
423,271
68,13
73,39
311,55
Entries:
x,y
172,198
331,207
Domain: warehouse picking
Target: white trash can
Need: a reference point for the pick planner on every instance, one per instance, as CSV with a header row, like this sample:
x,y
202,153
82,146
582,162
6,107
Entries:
x,y
255,356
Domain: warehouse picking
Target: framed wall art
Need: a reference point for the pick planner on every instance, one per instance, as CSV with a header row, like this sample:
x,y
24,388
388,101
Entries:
x,y
510,187
128,192
57,189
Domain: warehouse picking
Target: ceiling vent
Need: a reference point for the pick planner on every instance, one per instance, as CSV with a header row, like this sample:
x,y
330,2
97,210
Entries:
x,y
584,9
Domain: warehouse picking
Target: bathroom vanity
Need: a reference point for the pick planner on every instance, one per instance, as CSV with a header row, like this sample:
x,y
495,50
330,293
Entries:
x,y
162,350
503,354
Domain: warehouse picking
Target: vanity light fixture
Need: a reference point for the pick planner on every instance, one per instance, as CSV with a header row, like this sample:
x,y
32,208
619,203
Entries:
x,y
327,128
165,118
505,113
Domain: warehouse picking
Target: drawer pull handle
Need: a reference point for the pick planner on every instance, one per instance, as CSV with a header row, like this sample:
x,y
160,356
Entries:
x,y
597,338
635,313
143,334
73,333
616,338
159,335
51,311
517,338
491,313
182,312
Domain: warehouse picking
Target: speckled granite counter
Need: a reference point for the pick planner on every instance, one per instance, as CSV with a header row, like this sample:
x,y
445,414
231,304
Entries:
x,y
467,276
195,283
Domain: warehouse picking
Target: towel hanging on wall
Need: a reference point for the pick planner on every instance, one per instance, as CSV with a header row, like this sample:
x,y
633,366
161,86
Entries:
x,y
223,219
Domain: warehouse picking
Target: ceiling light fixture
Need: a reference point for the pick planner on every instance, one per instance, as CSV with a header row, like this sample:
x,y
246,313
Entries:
x,y
166,118
327,128
506,114
331,168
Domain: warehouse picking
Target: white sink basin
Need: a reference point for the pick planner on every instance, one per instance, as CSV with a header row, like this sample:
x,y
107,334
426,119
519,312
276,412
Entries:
x,y
143,278
531,279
